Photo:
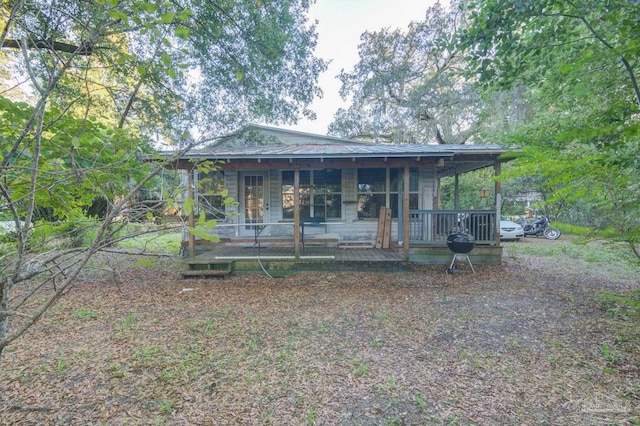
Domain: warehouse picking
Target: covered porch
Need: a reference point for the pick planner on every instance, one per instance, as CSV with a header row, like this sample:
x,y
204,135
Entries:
x,y
295,189
428,231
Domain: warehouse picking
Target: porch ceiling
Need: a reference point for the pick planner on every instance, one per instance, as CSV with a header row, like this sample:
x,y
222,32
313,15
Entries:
x,y
463,165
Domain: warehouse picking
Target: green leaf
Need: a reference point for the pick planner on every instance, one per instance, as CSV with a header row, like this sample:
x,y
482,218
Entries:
x,y
210,224
204,235
167,18
148,7
187,206
119,15
182,32
166,59
202,218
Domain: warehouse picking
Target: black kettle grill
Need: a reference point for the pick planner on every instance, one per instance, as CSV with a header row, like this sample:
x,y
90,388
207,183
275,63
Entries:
x,y
460,244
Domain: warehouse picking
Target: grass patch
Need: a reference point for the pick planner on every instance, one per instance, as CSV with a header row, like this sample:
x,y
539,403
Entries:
x,y
614,258
86,314
154,242
128,322
62,362
360,368
421,401
619,305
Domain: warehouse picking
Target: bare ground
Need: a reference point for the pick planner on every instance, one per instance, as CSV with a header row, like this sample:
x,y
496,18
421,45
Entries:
x,y
526,342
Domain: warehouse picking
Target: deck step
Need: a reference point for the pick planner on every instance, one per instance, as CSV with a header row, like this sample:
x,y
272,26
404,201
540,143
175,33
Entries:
x,y
208,268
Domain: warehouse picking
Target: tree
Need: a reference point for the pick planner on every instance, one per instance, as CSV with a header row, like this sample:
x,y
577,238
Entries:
x,y
103,78
406,87
578,61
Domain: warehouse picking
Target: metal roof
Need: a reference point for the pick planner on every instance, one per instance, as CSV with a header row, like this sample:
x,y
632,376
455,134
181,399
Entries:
x,y
340,149
292,145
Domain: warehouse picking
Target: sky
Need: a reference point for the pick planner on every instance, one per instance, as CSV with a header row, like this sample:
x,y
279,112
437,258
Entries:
x,y
340,24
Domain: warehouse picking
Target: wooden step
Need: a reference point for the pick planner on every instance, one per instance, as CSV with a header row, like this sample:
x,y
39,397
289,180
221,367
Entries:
x,y
206,273
208,268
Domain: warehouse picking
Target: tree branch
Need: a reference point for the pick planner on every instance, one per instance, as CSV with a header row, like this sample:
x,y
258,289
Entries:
x,y
84,49
14,314
628,67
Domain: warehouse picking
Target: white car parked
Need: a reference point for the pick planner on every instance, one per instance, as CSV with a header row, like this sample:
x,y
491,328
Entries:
x,y
510,230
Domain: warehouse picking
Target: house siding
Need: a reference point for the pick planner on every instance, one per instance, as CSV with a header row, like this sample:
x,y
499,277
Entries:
x,y
426,185
348,228
276,207
231,183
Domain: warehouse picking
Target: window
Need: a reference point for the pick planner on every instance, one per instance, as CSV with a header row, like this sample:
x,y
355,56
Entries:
x,y
320,193
372,192
210,199
395,195
381,188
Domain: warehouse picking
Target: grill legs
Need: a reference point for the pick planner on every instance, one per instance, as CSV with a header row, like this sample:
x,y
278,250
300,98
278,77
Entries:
x,y
452,266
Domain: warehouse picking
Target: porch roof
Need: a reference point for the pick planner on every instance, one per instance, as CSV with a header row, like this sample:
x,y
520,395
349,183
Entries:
x,y
261,144
342,150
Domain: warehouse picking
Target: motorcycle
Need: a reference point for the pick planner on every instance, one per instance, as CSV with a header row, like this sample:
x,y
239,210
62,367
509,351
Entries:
x,y
541,227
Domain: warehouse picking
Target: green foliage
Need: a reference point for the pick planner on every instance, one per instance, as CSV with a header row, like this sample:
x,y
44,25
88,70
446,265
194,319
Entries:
x,y
128,322
86,314
146,263
103,79
469,185
611,355
406,86
568,228
604,257
574,64
621,304
47,235
360,367
151,238
77,160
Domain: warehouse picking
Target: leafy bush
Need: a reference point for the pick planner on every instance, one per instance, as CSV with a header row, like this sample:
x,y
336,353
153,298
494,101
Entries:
x,y
568,228
70,234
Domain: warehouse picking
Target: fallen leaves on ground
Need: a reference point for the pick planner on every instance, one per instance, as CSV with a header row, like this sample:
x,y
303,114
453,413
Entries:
x,y
520,343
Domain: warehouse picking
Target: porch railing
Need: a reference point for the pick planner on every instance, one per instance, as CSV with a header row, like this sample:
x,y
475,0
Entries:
x,y
433,226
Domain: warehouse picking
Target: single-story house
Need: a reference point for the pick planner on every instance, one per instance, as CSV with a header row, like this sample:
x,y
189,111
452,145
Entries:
x,y
295,187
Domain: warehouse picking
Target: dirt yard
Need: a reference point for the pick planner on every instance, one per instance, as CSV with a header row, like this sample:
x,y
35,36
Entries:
x,y
525,343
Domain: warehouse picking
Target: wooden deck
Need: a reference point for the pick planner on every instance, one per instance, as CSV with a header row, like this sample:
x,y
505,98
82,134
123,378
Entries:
x,y
283,259
333,253
279,257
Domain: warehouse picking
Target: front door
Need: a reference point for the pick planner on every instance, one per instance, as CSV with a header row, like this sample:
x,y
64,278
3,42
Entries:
x,y
254,201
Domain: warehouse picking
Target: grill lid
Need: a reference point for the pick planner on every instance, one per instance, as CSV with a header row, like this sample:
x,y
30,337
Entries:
x,y
460,243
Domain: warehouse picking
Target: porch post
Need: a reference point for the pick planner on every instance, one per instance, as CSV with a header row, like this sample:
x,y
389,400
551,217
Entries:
x,y
456,193
498,200
405,212
296,212
192,216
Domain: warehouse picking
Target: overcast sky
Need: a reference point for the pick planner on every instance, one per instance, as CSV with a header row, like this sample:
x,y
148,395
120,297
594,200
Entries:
x,y
340,24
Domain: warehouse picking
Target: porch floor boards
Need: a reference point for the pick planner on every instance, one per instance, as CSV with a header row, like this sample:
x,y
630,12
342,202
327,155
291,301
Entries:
x,y
330,254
